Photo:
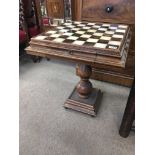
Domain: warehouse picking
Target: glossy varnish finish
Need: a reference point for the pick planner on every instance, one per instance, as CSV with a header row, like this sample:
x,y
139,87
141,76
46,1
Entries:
x,y
95,10
76,9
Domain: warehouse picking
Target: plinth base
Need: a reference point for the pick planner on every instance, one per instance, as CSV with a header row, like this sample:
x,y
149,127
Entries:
x,y
88,106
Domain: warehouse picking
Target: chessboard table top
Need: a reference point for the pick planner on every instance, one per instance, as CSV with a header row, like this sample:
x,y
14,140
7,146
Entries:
x,y
101,43
103,36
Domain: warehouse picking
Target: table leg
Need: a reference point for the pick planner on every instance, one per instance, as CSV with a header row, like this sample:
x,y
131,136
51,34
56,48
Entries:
x,y
84,87
129,114
84,97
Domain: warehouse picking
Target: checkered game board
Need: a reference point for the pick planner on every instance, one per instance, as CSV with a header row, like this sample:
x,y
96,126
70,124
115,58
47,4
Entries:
x,y
97,35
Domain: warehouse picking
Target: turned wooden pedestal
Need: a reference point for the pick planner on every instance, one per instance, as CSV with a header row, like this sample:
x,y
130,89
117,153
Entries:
x,y
67,42
84,97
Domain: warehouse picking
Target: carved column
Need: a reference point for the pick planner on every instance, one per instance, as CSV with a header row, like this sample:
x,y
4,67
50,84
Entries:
x,y
84,87
84,97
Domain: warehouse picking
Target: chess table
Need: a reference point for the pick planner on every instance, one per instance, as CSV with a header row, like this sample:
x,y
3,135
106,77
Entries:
x,y
89,45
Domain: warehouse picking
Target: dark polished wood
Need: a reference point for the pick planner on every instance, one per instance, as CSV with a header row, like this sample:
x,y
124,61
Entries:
x,y
123,12
88,106
121,76
76,9
84,87
84,97
129,114
96,10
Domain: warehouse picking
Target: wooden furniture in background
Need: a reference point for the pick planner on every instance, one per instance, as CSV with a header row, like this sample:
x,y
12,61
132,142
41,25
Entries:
x,y
52,12
76,9
114,11
55,8
129,114
28,23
